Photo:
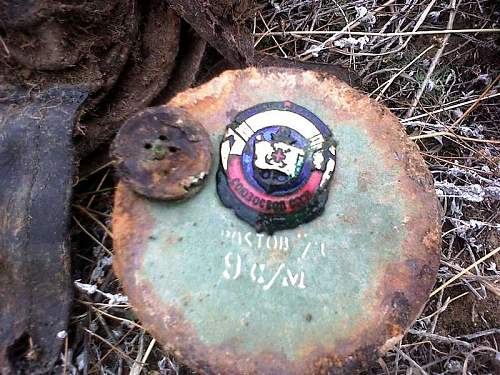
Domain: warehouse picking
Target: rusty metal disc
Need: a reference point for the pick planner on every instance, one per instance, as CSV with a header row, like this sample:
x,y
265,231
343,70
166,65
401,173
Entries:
x,y
328,296
163,153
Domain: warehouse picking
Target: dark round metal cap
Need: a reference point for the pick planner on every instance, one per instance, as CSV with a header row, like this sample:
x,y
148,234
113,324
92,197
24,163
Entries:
x,y
327,296
163,153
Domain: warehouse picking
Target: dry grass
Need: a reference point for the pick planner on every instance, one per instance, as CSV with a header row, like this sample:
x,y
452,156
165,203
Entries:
x,y
444,88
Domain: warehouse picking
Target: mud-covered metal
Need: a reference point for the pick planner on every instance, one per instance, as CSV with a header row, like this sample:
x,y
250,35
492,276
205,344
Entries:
x,y
276,162
163,153
327,297
36,176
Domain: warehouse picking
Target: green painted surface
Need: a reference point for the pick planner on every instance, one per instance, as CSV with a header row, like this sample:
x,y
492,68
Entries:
x,y
360,230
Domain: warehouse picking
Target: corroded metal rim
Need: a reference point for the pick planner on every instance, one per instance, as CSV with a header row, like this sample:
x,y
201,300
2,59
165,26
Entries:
x,y
398,288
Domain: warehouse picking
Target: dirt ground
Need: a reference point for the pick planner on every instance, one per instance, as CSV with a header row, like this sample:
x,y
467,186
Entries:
x,y
444,89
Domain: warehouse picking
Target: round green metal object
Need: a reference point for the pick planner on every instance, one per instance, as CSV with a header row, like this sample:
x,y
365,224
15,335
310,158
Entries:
x,y
327,296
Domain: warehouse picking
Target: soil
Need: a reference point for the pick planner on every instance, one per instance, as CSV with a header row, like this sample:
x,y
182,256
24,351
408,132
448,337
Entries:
x,y
471,314
468,315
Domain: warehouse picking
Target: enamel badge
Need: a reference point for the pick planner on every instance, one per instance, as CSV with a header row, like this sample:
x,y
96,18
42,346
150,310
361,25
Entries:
x,y
276,161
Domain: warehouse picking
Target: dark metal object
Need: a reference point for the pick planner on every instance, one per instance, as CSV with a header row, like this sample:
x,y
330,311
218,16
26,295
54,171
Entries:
x,y
221,24
163,153
116,59
144,77
328,297
47,46
187,64
36,169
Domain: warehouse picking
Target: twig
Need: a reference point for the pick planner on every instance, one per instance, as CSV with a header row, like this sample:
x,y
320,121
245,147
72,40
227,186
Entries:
x,y
346,28
91,200
96,220
438,312
439,338
337,34
99,311
412,362
391,80
91,236
444,307
470,355
137,366
107,305
453,135
142,362
4,46
83,178
117,343
493,331
382,364
275,41
442,159
148,350
476,102
448,108
492,288
113,347
65,361
434,62
104,190
465,270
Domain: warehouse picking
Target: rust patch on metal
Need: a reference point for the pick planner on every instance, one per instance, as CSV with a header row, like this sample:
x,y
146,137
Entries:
x,y
130,231
163,153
